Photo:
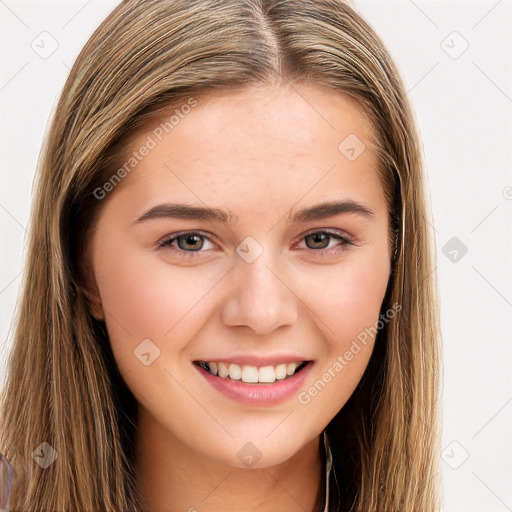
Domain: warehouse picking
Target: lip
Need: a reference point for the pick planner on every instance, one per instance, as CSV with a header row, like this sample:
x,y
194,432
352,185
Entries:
x,y
258,394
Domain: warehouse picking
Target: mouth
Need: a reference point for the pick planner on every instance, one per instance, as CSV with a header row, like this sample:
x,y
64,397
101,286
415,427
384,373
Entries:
x,y
250,374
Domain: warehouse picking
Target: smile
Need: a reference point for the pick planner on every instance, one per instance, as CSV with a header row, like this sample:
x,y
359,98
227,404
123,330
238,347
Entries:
x,y
252,374
260,386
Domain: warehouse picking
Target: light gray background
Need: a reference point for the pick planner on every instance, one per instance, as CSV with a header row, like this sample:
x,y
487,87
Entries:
x,y
463,104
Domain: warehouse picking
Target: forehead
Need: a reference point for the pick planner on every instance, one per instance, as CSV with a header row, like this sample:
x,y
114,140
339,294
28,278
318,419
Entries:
x,y
279,143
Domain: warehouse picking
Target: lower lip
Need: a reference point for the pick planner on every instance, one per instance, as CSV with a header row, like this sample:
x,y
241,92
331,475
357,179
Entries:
x,y
258,394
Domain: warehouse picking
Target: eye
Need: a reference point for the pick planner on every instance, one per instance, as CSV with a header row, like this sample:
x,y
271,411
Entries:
x,y
319,242
185,244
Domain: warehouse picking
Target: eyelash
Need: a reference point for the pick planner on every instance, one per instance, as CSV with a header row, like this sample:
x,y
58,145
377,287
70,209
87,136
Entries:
x,y
166,243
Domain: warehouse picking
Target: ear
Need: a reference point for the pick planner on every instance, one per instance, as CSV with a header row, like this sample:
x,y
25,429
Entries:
x,y
94,302
90,290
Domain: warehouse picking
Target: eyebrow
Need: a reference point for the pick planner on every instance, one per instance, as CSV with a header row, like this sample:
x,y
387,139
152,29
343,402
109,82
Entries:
x,y
317,212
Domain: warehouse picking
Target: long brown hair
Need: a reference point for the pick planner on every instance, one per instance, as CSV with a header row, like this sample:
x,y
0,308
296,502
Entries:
x,y
63,386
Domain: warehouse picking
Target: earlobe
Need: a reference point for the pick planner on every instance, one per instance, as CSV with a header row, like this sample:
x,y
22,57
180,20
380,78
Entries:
x,y
94,303
92,294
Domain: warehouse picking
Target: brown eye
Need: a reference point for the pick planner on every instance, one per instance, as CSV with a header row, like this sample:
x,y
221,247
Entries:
x,y
186,243
190,242
319,242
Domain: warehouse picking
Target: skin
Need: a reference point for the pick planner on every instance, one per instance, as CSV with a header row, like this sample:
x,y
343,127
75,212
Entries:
x,y
261,153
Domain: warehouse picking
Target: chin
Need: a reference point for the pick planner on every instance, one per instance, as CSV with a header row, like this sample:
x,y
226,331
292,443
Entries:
x,y
256,452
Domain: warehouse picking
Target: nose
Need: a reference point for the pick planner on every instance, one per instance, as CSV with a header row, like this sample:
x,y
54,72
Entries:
x,y
260,297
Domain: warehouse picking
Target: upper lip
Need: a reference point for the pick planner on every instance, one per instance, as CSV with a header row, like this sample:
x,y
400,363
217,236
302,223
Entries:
x,y
257,360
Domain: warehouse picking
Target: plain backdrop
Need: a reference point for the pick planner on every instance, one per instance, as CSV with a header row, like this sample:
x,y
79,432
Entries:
x,y
455,58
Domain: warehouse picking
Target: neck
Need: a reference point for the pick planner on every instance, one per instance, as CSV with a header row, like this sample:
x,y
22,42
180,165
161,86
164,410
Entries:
x,y
172,477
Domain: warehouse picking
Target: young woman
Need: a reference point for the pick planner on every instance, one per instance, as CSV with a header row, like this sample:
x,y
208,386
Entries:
x,y
230,298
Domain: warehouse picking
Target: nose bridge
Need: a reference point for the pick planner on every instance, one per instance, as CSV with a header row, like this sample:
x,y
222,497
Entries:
x,y
261,299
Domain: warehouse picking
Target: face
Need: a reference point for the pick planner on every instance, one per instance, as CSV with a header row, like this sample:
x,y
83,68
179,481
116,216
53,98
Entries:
x,y
248,321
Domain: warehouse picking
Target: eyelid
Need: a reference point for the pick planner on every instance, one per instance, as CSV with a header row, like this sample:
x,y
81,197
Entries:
x,y
330,231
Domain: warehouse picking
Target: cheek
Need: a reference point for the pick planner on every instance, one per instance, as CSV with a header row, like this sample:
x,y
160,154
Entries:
x,y
361,298
348,296
354,315
145,297
349,303
350,316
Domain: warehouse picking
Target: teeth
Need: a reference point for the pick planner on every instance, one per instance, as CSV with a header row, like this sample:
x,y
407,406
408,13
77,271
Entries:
x,y
251,374
290,368
280,371
223,370
266,374
235,372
